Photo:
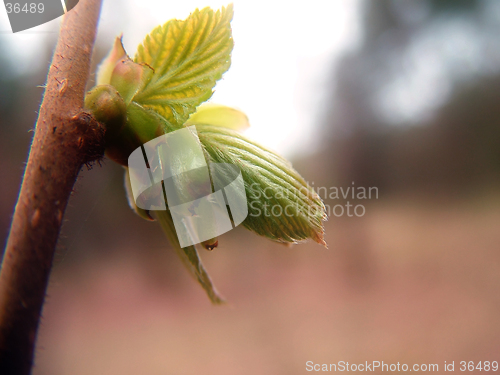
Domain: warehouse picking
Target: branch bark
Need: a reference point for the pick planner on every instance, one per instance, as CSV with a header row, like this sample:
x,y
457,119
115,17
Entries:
x,y
65,138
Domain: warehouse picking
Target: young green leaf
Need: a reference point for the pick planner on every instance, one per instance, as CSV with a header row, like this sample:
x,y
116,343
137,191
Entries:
x,y
106,67
189,256
188,57
219,115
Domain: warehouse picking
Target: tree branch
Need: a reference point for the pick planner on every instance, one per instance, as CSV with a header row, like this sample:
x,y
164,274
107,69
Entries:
x,y
65,138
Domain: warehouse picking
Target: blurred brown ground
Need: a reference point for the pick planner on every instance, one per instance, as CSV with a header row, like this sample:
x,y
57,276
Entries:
x,y
411,282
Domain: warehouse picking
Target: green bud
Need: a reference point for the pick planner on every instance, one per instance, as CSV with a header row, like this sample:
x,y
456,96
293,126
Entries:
x,y
127,127
129,77
281,205
108,108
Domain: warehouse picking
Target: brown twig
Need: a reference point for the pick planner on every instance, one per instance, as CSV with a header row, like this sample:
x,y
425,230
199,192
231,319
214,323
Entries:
x,y
65,138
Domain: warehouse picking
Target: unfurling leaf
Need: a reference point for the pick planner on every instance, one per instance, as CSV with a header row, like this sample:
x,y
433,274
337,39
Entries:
x,y
188,57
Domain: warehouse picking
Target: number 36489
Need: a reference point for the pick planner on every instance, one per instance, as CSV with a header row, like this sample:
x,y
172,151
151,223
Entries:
x,y
24,8
484,366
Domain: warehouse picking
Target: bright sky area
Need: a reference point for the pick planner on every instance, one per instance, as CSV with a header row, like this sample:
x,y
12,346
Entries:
x,y
282,62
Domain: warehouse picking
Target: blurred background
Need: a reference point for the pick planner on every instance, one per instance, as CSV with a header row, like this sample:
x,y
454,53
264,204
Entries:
x,y
398,95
